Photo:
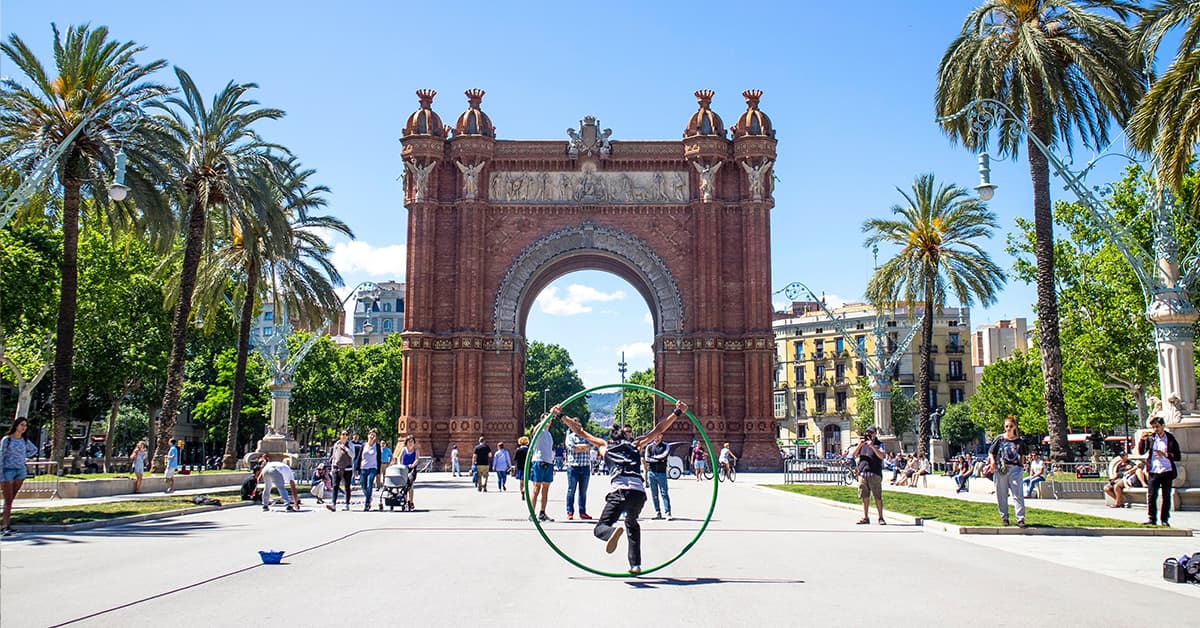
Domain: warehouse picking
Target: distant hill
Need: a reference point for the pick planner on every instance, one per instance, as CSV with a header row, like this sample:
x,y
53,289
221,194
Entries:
x,y
603,407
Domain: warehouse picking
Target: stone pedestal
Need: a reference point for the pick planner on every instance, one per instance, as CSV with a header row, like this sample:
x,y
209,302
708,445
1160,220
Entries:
x,y
937,450
891,443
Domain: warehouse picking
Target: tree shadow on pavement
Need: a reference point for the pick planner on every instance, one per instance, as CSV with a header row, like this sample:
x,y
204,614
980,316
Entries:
x,y
162,528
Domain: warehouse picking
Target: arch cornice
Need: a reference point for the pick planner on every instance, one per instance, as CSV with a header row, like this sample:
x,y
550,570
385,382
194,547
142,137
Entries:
x,y
585,238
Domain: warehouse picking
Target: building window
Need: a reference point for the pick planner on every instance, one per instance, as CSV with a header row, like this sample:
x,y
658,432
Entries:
x,y
955,368
800,350
799,375
268,331
387,325
780,404
801,403
819,400
818,349
820,372
933,404
860,370
839,345
861,341
399,305
269,315
801,430
367,340
840,402
840,371
956,395
387,307
953,340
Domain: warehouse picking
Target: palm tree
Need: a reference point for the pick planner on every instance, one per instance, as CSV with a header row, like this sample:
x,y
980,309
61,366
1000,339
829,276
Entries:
x,y
937,229
96,81
286,241
1167,120
1066,70
214,150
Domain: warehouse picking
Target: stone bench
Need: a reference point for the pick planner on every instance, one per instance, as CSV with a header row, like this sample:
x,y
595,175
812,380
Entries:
x,y
1181,498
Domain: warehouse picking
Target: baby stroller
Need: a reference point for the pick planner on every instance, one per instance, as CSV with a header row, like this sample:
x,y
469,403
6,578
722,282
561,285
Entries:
x,y
394,491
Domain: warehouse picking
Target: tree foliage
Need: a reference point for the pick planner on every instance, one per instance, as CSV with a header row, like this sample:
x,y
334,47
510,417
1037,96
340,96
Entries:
x,y
957,425
549,367
638,405
904,408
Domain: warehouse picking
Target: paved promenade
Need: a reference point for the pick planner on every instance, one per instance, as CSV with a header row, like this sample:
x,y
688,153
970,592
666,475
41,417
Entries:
x,y
768,558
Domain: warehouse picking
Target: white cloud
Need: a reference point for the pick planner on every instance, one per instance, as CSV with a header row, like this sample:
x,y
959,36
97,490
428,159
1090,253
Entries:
x,y
648,319
359,257
639,352
575,301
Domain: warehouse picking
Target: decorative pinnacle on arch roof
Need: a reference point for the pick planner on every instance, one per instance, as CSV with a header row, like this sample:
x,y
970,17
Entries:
x,y
753,121
474,121
424,121
705,121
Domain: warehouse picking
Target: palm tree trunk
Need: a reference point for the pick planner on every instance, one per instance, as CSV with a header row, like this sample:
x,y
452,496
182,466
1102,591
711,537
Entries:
x,y
179,332
229,460
1047,300
64,350
925,427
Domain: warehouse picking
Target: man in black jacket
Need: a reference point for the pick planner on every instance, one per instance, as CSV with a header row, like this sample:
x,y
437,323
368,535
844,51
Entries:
x,y
1162,452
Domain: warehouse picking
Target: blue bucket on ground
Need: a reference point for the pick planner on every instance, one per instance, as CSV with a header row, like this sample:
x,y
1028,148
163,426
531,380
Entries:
x,y
271,557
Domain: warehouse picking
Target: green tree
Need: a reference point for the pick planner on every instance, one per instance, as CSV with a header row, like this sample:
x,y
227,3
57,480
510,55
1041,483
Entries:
x,y
123,331
904,408
210,151
638,405
957,425
1166,122
1066,69
211,405
29,260
94,81
1011,387
937,229
549,367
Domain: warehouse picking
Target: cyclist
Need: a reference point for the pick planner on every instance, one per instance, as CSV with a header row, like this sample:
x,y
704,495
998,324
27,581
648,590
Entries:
x,y
726,458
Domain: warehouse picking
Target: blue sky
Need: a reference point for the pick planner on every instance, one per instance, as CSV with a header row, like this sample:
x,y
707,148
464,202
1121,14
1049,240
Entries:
x,y
849,92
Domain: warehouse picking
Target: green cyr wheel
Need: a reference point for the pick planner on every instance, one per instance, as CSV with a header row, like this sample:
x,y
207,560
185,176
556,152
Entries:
x,y
538,524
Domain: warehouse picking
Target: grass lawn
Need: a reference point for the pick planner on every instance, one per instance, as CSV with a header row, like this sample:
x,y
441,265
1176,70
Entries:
x,y
65,515
955,511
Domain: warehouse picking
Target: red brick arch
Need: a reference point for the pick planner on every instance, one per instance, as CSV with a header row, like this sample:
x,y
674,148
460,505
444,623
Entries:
x,y
492,222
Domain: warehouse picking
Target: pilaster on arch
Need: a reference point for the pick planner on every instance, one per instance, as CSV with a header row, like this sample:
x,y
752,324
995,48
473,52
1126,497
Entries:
x,y
583,239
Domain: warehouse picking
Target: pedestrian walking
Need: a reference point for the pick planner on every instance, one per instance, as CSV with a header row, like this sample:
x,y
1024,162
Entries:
x,y
628,493
172,465
579,473
656,456
369,457
697,460
1005,459
341,462
139,464
483,458
541,471
14,450
1162,452
501,463
408,457
519,457
385,459
455,469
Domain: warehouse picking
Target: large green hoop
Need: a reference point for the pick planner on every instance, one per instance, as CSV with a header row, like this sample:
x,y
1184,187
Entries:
x,y
538,524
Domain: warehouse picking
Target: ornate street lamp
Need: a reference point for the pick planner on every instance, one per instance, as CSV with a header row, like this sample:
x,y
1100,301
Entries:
x,y
1165,275
879,366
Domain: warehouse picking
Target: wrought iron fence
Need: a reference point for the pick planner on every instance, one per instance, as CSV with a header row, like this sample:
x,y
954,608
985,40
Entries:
x,y
1076,479
817,471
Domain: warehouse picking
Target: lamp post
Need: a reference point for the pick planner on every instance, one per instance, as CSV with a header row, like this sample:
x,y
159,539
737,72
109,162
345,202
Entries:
x,y
622,368
1165,275
879,366
282,365
545,399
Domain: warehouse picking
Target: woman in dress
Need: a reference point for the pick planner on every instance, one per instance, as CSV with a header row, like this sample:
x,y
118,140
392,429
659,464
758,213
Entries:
x,y
139,464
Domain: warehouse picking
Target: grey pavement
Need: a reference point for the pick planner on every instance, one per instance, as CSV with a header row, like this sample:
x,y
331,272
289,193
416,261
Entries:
x,y
768,558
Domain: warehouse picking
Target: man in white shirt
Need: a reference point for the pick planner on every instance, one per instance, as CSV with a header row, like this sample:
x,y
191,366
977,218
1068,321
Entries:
x,y
1162,452
280,476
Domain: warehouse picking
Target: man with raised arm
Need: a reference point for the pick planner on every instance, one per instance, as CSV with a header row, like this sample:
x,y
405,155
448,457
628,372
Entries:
x,y
628,494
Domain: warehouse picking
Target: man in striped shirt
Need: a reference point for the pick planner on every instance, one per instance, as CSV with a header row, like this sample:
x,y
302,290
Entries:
x,y
579,471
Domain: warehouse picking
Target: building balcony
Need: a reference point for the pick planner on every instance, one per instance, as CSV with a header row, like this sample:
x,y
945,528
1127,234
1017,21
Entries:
x,y
818,355
818,382
954,349
933,348
841,381
936,377
961,377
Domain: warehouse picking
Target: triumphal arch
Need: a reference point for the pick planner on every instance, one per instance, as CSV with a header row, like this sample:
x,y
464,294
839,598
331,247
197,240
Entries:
x,y
491,222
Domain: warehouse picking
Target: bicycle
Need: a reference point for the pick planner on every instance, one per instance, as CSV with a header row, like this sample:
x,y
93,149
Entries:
x,y
728,471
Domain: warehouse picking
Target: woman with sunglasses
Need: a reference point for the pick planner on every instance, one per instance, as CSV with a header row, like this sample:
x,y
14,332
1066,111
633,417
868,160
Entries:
x,y
1005,458
1162,452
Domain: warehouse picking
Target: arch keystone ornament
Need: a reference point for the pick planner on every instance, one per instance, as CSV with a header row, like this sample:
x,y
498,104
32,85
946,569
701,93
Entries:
x,y
495,221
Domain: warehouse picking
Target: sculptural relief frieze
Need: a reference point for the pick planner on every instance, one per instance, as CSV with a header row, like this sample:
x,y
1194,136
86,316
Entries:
x,y
588,187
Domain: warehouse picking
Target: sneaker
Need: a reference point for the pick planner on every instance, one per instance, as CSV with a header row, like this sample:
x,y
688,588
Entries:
x,y
1149,522
882,522
585,516
1021,524
6,532
1165,524
331,508
658,515
1004,521
346,508
669,517
614,539
266,508
635,569
291,509
544,517
570,516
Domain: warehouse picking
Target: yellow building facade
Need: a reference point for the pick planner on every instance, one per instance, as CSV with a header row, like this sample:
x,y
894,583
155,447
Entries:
x,y
817,371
